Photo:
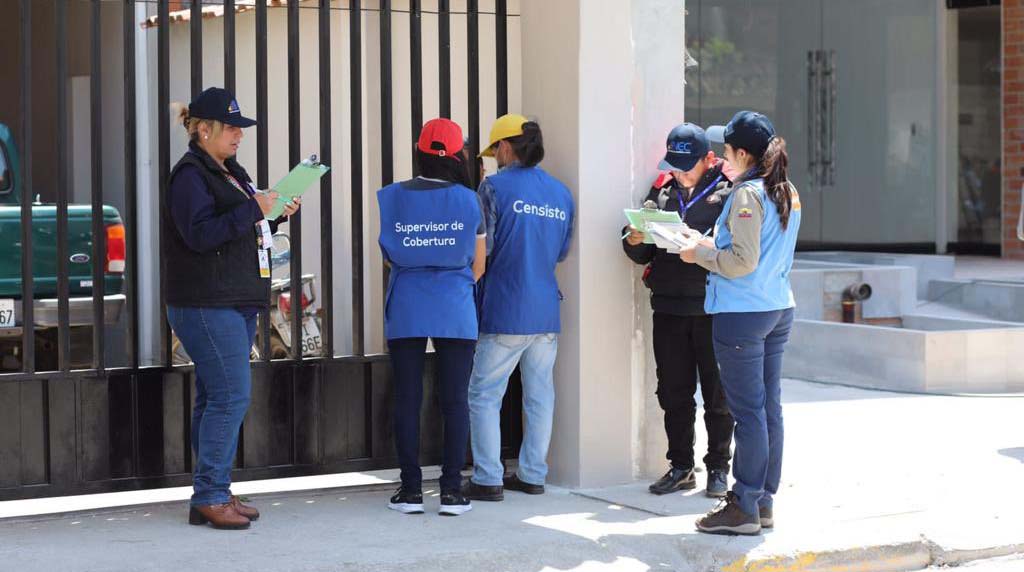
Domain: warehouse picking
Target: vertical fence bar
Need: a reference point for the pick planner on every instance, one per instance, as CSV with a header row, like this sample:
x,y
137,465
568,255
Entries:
x,y
501,65
416,70
387,140
473,33
229,46
163,72
28,343
131,187
196,47
356,73
131,274
63,282
294,157
262,143
326,203
99,230
444,57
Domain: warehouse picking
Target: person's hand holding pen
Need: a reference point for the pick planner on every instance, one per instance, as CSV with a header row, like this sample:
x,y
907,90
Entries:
x,y
689,254
266,200
634,237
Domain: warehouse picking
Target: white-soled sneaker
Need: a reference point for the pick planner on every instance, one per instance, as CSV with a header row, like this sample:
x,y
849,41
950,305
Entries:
x,y
454,504
407,502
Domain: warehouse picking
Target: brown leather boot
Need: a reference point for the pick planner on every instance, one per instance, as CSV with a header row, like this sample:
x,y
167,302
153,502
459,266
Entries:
x,y
223,516
247,511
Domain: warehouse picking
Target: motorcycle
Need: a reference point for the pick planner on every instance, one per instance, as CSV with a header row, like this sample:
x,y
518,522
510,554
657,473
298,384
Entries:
x,y
281,306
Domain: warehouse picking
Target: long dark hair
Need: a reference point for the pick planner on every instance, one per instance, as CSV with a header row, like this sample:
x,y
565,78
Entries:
x,y
529,147
773,166
449,168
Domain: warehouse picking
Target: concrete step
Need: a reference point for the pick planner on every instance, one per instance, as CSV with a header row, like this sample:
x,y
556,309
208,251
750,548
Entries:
x,y
995,299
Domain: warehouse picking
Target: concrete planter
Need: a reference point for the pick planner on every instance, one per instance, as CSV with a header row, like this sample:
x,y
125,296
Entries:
x,y
925,355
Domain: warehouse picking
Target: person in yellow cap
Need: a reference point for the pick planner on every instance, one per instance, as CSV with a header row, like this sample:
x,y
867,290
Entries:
x,y
529,216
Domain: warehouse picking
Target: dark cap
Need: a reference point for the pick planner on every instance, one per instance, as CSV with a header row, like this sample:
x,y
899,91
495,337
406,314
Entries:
x,y
218,104
441,137
747,130
687,144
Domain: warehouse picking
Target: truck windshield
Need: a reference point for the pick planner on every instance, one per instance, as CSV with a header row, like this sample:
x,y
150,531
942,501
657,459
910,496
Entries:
x,y
5,172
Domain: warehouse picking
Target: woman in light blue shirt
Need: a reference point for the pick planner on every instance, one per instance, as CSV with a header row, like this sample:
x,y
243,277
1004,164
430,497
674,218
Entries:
x,y
749,295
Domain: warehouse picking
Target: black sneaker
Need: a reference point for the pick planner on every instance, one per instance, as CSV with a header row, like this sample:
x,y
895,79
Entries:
x,y
674,480
407,501
474,491
718,484
730,519
513,483
766,517
454,504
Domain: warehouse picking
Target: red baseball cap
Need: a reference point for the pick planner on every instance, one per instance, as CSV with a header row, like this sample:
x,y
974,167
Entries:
x,y
441,137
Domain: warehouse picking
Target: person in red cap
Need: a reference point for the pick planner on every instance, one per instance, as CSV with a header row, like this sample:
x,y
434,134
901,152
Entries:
x,y
432,234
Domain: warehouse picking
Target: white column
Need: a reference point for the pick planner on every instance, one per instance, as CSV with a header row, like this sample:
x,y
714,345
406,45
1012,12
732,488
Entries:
x,y
605,80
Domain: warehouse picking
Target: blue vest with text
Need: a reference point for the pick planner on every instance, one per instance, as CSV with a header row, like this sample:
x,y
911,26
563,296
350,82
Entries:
x,y
429,237
767,288
519,293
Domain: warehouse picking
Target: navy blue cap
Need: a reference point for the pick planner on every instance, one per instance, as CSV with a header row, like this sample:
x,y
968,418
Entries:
x,y
687,144
220,105
747,130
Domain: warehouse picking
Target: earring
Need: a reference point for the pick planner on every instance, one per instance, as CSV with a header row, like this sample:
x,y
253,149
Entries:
x,y
206,136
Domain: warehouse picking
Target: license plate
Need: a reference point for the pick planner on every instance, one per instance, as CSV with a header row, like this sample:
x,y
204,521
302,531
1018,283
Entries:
x,y
312,342
7,313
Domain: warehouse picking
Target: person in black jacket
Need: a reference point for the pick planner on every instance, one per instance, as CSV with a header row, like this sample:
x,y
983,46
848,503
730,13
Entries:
x,y
216,272
683,344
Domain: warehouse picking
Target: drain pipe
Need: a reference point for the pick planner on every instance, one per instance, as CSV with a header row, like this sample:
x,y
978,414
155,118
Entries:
x,y
853,295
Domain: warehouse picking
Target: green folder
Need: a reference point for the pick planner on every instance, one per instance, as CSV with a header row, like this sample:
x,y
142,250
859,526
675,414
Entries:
x,y
638,218
298,181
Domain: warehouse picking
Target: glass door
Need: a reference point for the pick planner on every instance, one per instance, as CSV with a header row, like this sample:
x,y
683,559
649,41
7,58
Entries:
x,y
882,114
754,54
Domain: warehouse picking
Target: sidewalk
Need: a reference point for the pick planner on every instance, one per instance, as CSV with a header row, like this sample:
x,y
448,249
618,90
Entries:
x,y
873,481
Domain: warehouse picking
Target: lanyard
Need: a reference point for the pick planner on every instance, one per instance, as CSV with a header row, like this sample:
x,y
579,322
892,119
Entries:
x,y
685,206
236,184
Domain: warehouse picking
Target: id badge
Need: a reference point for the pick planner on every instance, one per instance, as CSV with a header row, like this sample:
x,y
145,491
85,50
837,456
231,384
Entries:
x,y
264,238
264,256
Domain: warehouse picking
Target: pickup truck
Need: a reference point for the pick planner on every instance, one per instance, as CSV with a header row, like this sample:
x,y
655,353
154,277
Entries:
x,y
44,270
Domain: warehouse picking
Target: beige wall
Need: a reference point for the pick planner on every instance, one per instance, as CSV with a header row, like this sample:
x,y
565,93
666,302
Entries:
x,y
605,79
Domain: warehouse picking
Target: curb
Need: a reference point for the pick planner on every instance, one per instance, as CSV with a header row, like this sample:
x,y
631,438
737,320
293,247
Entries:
x,y
903,557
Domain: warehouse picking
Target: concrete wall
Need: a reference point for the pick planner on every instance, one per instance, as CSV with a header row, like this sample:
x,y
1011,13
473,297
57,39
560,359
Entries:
x,y
604,77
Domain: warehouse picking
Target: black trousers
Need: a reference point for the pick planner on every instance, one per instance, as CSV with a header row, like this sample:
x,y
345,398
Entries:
x,y
683,347
454,366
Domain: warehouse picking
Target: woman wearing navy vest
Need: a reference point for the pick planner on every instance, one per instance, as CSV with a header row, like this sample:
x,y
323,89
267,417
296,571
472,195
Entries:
x,y
432,236
749,295
217,276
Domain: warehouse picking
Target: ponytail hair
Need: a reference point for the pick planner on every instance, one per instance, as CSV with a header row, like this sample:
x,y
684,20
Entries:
x,y
529,147
774,167
449,168
179,113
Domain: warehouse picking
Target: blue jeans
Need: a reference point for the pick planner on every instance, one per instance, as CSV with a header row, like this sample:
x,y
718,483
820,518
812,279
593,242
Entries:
x,y
749,348
496,359
218,340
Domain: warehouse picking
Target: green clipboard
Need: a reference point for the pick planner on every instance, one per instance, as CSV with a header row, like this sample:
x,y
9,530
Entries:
x,y
298,181
638,218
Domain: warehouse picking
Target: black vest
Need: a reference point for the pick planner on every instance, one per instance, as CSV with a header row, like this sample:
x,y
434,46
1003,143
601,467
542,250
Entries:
x,y
228,275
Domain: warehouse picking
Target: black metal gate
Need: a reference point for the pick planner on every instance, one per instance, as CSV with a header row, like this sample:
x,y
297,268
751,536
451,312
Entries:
x,y
102,429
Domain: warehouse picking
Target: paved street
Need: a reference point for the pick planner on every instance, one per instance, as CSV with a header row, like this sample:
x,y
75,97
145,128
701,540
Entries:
x,y
873,481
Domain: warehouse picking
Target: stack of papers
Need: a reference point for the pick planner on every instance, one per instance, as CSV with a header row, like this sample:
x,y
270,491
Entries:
x,y
640,218
672,237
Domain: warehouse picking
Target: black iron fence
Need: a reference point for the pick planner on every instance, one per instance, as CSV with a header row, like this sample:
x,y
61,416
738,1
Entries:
x,y
66,429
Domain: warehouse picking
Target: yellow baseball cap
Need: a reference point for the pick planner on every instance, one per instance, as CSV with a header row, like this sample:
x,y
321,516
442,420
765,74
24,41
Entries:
x,y
506,126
